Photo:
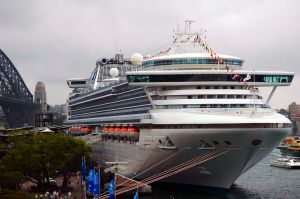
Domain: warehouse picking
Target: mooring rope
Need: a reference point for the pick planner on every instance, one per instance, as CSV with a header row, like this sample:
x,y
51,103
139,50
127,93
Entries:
x,y
172,171
160,162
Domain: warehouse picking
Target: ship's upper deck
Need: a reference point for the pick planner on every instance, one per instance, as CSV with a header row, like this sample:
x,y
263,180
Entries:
x,y
190,50
196,60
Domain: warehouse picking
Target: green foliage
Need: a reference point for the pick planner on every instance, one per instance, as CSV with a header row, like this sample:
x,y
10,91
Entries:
x,y
10,179
3,146
20,131
9,194
41,156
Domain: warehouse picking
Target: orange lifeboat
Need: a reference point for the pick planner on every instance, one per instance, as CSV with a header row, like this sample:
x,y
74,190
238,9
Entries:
x,y
105,129
86,130
117,129
111,129
133,129
123,129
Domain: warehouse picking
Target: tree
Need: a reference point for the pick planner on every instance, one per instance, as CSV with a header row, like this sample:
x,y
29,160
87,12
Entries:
x,y
41,156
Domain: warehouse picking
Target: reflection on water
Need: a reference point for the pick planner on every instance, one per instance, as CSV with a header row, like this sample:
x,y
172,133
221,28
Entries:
x,y
260,182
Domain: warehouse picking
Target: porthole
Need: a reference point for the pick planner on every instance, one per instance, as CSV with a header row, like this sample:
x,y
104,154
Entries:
x,y
256,142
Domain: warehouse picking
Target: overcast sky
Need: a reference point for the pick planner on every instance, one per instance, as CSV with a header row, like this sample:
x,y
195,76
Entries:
x,y
53,40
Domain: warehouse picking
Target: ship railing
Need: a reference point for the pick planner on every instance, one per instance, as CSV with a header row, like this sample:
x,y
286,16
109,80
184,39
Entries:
x,y
240,111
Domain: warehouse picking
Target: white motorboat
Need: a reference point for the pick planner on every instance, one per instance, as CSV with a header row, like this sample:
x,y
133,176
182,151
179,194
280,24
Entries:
x,y
286,163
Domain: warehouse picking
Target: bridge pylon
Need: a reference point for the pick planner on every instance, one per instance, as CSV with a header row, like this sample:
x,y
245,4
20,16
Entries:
x,y
15,98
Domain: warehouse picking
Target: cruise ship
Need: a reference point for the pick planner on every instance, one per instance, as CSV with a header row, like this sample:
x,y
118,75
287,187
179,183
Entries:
x,y
177,104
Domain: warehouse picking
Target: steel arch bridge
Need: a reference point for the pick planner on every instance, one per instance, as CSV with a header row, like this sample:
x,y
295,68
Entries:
x,y
15,98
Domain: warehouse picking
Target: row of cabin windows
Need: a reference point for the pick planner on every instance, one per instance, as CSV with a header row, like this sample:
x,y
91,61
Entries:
x,y
259,78
204,87
223,96
127,92
208,97
189,61
127,103
109,114
183,106
221,87
109,100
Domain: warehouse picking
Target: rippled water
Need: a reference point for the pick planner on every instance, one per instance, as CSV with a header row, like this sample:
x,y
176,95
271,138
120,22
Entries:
x,y
260,182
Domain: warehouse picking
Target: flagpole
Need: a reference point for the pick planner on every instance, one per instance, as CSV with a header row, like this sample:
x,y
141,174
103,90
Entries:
x,y
84,189
115,186
99,180
84,183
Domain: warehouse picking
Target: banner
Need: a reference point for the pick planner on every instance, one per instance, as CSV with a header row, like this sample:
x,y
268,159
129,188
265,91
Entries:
x,y
91,181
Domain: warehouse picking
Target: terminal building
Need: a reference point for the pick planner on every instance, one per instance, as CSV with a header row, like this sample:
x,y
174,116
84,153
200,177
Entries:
x,y
294,110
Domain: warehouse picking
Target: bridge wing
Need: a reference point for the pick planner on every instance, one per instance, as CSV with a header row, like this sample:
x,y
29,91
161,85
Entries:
x,y
11,82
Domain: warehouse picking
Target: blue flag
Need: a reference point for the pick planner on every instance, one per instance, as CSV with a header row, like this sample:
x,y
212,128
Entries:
x,y
97,184
111,189
83,169
136,196
91,181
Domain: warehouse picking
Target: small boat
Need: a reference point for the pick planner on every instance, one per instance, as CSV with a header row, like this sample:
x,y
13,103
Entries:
x,y
286,163
290,147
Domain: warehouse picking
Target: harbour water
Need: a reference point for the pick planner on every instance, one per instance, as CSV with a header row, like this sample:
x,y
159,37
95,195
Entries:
x,y
260,182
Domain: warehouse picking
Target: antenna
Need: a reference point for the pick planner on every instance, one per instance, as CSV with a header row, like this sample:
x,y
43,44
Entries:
x,y
187,26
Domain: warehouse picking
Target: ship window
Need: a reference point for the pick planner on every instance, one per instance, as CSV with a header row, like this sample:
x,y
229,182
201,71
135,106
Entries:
x,y
216,87
190,97
204,61
227,142
206,87
215,142
208,78
224,87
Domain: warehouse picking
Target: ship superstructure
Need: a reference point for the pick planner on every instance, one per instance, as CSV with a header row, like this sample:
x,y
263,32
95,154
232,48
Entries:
x,y
186,98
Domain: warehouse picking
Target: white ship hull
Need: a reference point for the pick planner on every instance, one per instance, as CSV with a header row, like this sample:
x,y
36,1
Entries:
x,y
219,172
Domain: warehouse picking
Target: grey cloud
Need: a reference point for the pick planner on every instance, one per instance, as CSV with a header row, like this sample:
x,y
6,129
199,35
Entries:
x,y
53,40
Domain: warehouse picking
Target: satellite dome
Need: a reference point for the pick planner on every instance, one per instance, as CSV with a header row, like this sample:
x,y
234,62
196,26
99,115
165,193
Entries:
x,y
136,59
114,72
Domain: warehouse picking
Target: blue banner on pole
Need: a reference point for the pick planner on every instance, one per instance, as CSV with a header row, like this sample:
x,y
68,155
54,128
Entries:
x,y
111,189
136,196
97,184
83,169
91,181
